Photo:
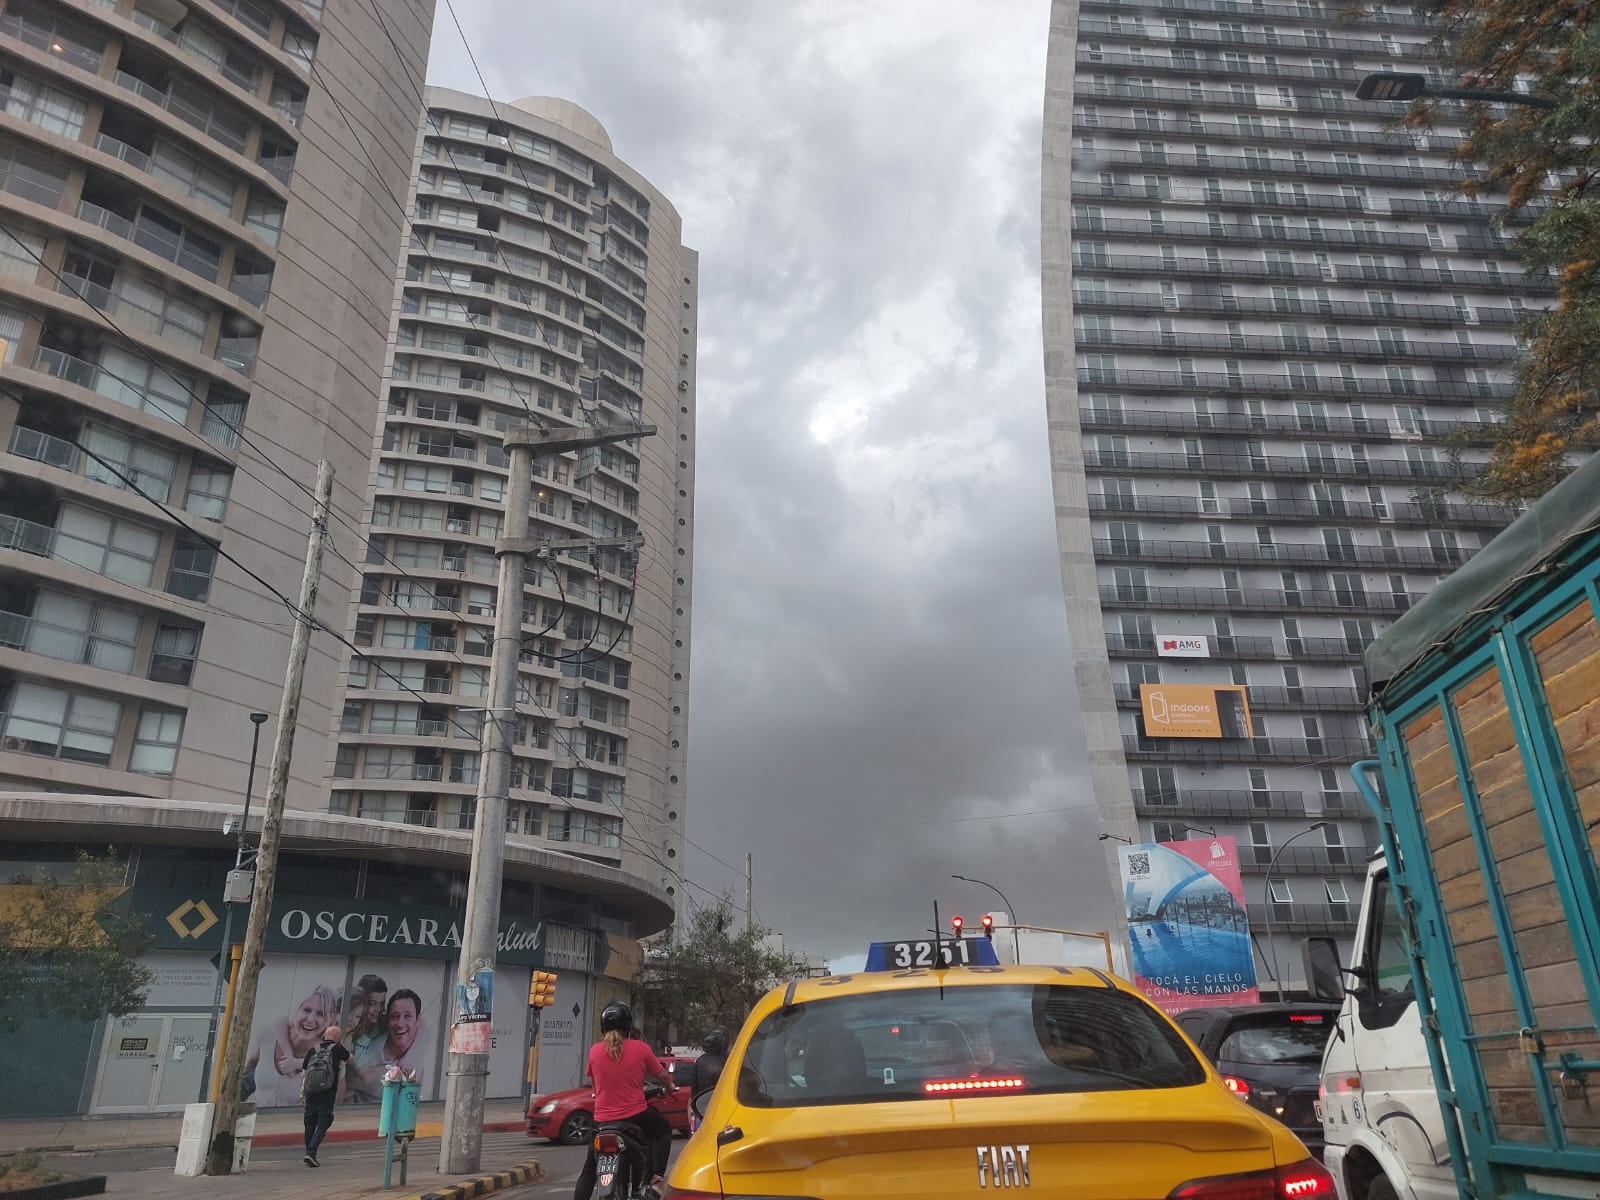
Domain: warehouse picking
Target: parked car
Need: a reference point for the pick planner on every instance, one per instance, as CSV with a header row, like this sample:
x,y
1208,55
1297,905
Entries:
x,y
1270,1056
569,1116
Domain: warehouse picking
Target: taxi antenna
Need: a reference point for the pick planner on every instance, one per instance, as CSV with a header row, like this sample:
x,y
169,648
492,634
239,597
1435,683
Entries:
x,y
938,949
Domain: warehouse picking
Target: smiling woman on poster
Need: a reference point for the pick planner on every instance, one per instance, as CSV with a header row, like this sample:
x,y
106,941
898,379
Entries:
x,y
273,1070
398,1048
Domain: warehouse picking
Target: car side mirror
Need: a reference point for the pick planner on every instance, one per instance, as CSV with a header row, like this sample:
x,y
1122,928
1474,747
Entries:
x,y
1324,974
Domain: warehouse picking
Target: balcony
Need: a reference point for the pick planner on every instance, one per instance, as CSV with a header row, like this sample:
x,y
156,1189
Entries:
x,y
1349,16
1310,424
1305,859
162,237
1244,750
1086,258
1125,646
230,66
1253,466
1289,346
30,537
1287,307
1204,802
1161,550
238,353
1272,601
44,448
1304,918
61,40
216,122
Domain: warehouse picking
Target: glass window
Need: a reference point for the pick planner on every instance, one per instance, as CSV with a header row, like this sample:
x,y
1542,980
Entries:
x,y
76,629
107,545
207,494
887,1047
128,463
129,379
20,253
49,108
172,660
1387,954
155,742
223,421
61,724
1284,1037
193,561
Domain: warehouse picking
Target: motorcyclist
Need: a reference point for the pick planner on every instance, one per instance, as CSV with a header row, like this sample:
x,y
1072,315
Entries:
x,y
620,1065
707,1069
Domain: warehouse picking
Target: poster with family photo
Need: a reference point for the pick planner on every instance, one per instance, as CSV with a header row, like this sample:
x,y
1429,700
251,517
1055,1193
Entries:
x,y
388,1010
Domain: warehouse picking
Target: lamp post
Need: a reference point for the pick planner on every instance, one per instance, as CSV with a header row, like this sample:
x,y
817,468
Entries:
x,y
1114,837
1016,939
1394,85
258,719
1272,953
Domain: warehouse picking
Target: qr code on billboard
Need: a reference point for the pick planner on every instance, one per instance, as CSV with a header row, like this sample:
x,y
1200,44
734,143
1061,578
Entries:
x,y
1139,864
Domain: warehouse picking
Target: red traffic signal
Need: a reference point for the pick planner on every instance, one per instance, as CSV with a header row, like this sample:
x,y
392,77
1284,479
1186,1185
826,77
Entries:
x,y
988,925
956,923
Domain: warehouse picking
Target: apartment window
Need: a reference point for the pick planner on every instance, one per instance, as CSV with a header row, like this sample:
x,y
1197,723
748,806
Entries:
x,y
191,177
130,379
1160,785
176,649
224,420
129,464
264,218
61,724
1333,840
1446,548
39,104
111,546
1131,583
75,629
1261,841
1138,633
207,494
1260,794
193,561
300,47
155,742
19,259
1141,673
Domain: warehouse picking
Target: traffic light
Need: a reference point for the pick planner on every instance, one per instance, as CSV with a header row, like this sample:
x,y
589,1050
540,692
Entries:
x,y
987,925
541,989
956,923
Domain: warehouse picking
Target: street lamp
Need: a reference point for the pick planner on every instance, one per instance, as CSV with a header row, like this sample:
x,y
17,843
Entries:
x,y
1016,939
258,719
1394,85
1114,837
1271,955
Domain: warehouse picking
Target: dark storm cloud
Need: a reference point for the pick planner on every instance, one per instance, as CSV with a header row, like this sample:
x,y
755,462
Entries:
x,y
880,654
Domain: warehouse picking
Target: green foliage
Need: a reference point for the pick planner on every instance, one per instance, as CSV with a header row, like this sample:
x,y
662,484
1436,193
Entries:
x,y
712,976
70,947
1547,162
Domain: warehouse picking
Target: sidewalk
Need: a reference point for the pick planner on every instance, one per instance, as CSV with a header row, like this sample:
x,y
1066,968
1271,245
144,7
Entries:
x,y
274,1127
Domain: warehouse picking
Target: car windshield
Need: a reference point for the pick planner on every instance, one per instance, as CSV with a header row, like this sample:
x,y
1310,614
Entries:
x,y
924,1042
1281,1038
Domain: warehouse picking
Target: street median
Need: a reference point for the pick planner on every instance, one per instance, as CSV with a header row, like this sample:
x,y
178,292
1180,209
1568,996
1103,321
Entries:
x,y
482,1185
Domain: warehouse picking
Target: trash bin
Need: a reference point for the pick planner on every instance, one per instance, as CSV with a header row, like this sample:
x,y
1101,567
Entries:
x,y
398,1114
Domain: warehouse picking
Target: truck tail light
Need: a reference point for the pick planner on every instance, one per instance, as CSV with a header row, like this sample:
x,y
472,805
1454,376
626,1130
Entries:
x,y
1308,1180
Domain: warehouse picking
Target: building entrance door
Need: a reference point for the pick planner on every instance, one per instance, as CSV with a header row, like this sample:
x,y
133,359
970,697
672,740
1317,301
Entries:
x,y
151,1063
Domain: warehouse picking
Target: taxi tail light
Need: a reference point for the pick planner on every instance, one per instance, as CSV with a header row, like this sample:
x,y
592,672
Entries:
x,y
1308,1180
1237,1086
608,1143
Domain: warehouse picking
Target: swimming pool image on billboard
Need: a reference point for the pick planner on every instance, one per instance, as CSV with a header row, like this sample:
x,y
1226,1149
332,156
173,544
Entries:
x,y
1187,926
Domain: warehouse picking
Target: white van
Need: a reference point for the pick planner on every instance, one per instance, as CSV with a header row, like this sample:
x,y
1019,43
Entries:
x,y
1380,1113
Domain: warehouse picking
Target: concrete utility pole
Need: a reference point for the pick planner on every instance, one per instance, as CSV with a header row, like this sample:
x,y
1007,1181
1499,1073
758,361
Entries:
x,y
241,1014
467,1075
749,889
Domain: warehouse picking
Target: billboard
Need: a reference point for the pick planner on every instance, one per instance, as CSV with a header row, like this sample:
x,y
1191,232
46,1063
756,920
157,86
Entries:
x,y
1182,645
1188,929
1194,710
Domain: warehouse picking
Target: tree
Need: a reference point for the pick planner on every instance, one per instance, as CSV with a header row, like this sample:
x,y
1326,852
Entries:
x,y
1547,161
712,976
69,948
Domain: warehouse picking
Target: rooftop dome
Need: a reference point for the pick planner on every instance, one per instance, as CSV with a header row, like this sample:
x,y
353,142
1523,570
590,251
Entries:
x,y
568,115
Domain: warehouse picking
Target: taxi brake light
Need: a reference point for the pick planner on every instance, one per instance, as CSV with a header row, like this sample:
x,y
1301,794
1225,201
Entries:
x,y
1309,1018
1303,1181
935,1087
608,1143
1237,1086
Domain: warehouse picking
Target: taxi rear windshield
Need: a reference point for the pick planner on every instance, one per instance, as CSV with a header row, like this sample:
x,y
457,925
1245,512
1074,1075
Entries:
x,y
965,1041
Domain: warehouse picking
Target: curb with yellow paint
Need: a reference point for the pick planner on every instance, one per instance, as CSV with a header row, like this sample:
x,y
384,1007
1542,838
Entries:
x,y
482,1185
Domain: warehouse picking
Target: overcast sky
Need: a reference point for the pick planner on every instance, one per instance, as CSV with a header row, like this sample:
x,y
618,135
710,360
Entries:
x,y
882,690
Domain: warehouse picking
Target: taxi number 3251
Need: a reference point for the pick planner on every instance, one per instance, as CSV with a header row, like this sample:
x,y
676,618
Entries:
x,y
926,954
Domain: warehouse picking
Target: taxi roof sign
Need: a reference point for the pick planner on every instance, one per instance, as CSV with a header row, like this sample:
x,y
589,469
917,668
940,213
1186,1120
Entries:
x,y
931,953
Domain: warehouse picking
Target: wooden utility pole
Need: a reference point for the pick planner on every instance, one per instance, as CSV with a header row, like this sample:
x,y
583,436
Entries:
x,y
241,1013
467,1074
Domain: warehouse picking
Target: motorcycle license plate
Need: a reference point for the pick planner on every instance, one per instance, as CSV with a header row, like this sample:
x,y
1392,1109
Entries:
x,y
606,1168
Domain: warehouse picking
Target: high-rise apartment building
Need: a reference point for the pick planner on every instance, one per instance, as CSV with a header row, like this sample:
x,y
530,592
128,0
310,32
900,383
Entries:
x,y
196,250
545,282
1271,327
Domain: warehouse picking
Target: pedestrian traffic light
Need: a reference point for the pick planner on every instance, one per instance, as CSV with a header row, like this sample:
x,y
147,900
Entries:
x,y
987,925
956,923
541,989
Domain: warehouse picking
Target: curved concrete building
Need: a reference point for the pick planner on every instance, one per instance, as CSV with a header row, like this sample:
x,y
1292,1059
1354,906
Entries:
x,y
545,280
1265,312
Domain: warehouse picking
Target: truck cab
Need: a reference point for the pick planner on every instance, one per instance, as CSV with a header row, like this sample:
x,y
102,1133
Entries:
x,y
1381,1121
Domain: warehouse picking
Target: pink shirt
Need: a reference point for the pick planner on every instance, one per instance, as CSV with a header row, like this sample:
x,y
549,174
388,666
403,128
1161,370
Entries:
x,y
619,1082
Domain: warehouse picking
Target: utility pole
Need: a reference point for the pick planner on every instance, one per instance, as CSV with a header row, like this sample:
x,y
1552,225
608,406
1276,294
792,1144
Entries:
x,y
467,1075
241,1014
749,889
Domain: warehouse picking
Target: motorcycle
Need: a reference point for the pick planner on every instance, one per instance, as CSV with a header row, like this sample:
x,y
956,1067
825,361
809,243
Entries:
x,y
622,1158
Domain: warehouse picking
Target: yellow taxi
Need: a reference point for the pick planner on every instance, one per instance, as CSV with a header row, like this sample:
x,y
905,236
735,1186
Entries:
x,y
962,1081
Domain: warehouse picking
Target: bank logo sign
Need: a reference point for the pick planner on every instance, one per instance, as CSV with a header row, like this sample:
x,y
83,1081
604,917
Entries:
x,y
191,919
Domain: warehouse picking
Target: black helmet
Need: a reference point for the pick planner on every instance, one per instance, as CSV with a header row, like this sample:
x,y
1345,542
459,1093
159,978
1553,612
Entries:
x,y
618,1016
716,1042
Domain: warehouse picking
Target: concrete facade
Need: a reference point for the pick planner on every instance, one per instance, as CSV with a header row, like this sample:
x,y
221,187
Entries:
x,y
1273,339
544,281
208,321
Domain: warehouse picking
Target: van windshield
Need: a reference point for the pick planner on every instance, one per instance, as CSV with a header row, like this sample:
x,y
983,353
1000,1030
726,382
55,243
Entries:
x,y
968,1041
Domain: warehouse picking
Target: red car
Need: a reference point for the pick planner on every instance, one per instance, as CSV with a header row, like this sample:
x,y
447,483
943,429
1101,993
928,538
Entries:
x,y
569,1116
